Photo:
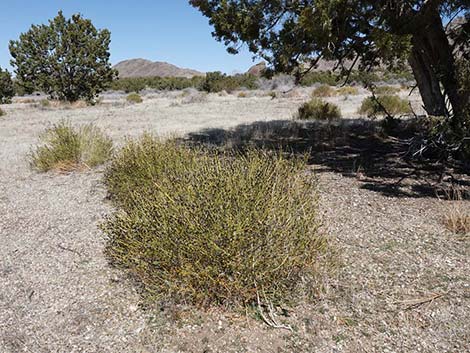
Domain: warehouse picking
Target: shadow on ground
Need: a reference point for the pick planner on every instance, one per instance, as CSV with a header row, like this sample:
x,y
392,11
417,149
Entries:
x,y
353,147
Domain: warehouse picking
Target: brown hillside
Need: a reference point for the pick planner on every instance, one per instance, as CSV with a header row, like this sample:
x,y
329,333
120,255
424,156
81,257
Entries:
x,y
147,68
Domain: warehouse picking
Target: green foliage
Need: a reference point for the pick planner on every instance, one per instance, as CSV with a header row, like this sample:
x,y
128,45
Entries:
x,y
137,84
212,228
392,105
323,91
67,59
65,148
7,90
217,82
322,77
134,98
317,109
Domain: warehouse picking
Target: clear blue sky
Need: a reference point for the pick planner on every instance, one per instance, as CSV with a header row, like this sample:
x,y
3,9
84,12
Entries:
x,y
158,30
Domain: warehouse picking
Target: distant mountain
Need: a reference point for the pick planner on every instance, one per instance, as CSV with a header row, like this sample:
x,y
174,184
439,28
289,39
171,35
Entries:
x,y
147,68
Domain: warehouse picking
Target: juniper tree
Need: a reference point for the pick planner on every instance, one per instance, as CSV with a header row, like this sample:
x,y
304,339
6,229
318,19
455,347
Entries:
x,y
7,90
366,33
67,59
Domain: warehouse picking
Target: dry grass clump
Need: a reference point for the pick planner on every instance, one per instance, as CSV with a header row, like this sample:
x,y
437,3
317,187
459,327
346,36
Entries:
x,y
213,228
347,91
193,96
2,112
386,90
457,216
65,148
317,109
393,105
134,98
324,91
242,95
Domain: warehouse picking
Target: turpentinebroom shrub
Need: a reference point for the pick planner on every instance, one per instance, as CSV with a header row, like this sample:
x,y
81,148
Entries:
x,y
317,109
134,98
324,91
393,105
212,229
347,91
66,148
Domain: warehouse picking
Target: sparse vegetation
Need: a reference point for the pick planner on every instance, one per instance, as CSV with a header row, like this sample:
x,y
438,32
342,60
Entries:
x,y
317,109
323,91
134,98
212,229
242,95
7,89
66,148
393,105
2,112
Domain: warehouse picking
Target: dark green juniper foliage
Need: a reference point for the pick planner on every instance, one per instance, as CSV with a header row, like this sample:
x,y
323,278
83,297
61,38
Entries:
x,y
7,89
193,226
67,59
294,34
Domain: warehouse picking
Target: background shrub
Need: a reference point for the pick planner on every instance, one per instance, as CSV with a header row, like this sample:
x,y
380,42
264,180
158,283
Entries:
x,y
212,228
134,98
347,91
393,105
317,109
323,91
386,90
65,148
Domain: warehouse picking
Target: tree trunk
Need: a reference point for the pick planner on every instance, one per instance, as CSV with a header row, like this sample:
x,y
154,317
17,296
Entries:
x,y
433,64
427,81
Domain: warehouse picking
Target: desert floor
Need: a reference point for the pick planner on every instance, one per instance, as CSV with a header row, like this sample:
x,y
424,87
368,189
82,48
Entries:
x,y
403,286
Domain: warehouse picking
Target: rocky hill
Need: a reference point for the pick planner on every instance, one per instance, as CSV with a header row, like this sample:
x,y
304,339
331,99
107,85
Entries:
x,y
147,68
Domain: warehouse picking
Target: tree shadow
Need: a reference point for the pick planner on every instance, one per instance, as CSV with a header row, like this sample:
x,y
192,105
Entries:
x,y
355,148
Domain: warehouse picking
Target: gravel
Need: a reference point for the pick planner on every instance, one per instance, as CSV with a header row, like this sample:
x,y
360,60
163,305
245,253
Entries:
x,y
403,285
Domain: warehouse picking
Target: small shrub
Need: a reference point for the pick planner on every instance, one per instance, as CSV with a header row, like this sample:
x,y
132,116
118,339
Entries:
x,y
323,91
347,91
318,109
393,105
45,103
134,98
457,215
2,112
242,95
206,228
192,96
386,90
65,148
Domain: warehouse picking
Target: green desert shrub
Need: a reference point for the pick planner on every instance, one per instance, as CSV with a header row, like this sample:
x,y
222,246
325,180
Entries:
x,y
386,90
347,91
318,109
134,98
212,228
393,105
323,91
66,148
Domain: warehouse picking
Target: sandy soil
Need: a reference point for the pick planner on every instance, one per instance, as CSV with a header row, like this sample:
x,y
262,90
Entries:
x,y
404,286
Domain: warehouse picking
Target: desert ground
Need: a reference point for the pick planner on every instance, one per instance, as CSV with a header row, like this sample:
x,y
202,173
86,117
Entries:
x,y
402,284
